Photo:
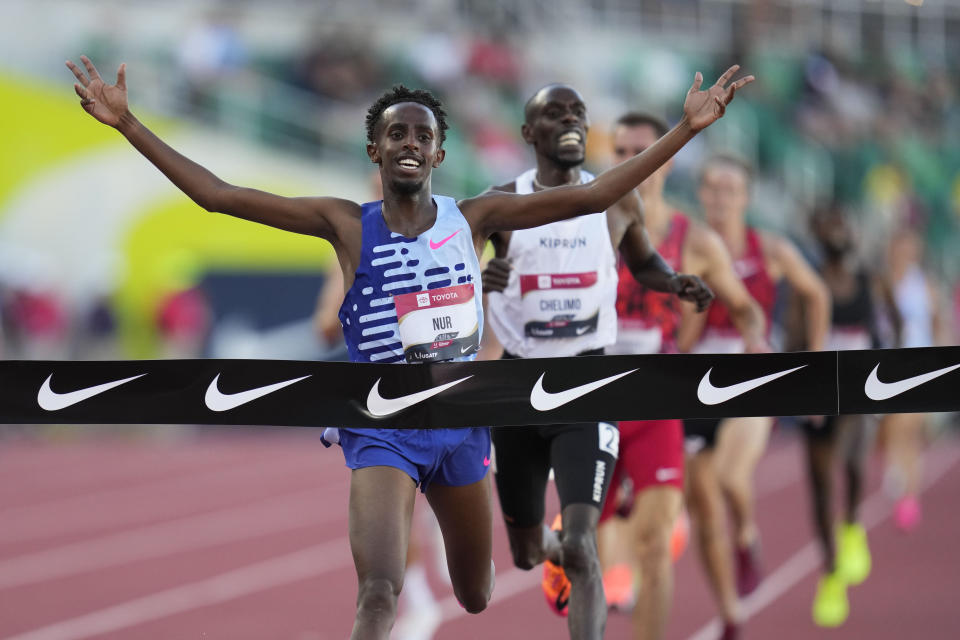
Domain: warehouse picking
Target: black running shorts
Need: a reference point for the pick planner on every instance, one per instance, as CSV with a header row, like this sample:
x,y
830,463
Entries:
x,y
700,434
825,431
582,456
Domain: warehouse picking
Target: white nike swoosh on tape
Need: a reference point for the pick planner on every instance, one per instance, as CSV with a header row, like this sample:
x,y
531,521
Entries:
x,y
877,390
543,400
380,406
219,401
50,400
711,395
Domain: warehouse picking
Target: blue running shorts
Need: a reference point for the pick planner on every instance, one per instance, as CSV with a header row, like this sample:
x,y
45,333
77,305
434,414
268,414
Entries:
x,y
447,457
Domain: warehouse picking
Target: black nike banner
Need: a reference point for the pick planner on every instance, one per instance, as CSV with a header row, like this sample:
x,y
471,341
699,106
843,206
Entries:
x,y
494,393
899,380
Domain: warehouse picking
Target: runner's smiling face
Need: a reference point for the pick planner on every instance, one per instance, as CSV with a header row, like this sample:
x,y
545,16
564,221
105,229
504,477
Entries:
x,y
407,147
557,124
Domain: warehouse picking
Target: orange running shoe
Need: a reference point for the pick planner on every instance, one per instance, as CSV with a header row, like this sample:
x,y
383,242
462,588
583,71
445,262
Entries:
x,y
556,586
618,588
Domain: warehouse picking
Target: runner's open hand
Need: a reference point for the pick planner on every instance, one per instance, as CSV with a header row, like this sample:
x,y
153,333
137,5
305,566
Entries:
x,y
496,275
106,103
702,108
692,289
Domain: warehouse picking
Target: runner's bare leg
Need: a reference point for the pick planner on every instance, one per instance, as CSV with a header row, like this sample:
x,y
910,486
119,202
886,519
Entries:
x,y
381,509
466,520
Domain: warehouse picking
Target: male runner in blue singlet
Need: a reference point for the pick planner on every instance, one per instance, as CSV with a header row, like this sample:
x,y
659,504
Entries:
x,y
410,266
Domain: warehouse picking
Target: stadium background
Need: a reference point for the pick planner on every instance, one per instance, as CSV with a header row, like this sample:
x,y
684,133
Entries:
x,y
856,103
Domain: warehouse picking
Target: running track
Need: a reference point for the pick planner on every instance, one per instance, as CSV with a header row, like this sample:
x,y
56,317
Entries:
x,y
240,534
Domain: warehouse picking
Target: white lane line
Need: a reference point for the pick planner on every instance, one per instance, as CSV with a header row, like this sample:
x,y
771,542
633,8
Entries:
x,y
276,572
273,515
126,504
875,510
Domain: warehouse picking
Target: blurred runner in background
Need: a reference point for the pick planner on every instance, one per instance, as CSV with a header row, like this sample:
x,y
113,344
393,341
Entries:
x,y
856,292
724,453
635,549
903,436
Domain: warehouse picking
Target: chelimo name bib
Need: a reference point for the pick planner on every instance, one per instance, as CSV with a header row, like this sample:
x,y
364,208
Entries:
x,y
560,305
561,292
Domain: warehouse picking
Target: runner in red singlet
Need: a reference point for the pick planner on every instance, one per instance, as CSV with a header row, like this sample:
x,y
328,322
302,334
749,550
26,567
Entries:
x,y
651,451
724,453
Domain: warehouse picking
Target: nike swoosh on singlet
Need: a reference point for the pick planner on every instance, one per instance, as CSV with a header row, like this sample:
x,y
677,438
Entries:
x,y
437,245
543,400
877,390
746,268
50,400
380,406
711,395
216,400
665,474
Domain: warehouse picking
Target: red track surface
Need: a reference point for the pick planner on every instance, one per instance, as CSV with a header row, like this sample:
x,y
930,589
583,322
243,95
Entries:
x,y
243,535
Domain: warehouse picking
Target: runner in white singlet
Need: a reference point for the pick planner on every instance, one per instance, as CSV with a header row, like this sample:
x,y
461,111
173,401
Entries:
x,y
555,297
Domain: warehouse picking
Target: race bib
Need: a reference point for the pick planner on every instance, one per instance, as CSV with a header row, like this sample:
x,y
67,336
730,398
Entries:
x,y
440,324
609,438
560,305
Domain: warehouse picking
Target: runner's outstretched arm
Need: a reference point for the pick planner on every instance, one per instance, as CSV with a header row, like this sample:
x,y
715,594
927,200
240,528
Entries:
x,y
497,211
647,265
108,104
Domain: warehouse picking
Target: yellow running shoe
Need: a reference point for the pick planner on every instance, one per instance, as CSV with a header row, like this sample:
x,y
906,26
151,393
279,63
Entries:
x,y
556,585
830,604
853,554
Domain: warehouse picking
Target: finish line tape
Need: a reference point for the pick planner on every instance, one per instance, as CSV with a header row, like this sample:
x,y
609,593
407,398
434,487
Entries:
x,y
491,393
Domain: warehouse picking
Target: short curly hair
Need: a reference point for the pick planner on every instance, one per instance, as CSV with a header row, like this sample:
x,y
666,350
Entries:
x,y
398,94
